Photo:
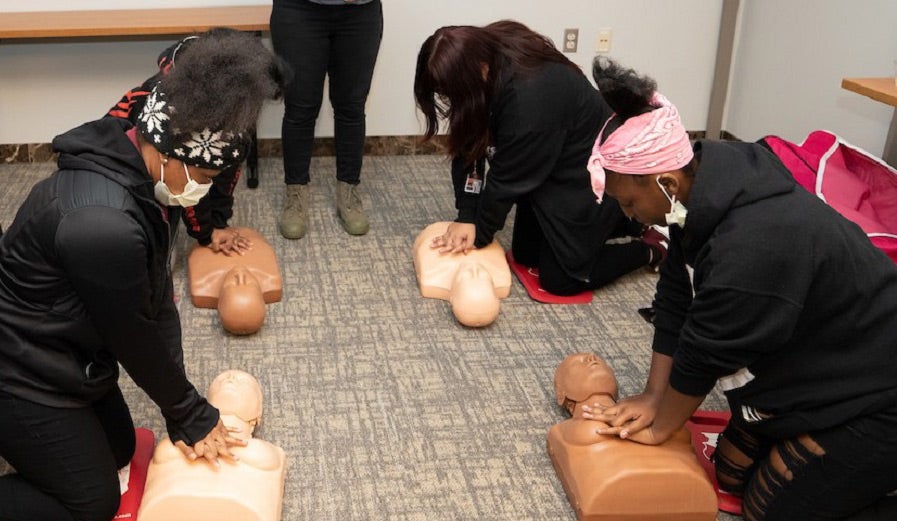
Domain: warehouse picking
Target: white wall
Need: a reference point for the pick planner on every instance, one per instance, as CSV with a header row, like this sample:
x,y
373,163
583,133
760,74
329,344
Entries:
x,y
790,58
48,87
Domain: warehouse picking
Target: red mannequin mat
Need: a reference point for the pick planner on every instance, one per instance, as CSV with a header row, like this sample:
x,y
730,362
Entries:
x,y
529,277
130,499
705,428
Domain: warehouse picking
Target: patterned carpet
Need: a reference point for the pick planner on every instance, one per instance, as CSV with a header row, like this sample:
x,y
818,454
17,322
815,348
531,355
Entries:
x,y
387,408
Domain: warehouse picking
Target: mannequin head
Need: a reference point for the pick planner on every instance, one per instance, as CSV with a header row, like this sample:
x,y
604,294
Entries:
x,y
237,394
580,376
473,297
241,302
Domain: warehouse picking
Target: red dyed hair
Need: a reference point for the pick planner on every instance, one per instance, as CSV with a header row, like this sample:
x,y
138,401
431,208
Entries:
x,y
449,82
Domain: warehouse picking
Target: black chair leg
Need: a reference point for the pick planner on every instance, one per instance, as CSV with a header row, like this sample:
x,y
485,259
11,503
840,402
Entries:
x,y
252,162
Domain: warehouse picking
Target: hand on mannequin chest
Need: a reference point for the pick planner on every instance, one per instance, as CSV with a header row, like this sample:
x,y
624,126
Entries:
x,y
606,477
250,488
472,282
239,286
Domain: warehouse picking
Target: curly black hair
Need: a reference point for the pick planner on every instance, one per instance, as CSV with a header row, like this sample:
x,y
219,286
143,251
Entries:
x,y
221,80
627,92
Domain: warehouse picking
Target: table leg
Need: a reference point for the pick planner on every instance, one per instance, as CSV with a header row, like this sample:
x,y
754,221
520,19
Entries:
x,y
890,152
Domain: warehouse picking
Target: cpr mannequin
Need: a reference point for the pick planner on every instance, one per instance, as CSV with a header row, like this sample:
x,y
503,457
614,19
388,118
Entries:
x,y
239,286
610,479
250,489
472,282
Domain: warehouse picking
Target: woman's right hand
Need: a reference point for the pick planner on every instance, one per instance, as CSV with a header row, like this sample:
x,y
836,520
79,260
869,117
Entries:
x,y
628,416
458,238
216,444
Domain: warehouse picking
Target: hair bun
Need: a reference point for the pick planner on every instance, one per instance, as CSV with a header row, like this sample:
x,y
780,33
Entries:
x,y
628,93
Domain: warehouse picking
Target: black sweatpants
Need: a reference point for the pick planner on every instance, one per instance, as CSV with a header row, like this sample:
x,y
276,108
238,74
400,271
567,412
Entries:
x,y
530,248
66,461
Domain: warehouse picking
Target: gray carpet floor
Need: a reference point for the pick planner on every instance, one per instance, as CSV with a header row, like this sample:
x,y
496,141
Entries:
x,y
387,408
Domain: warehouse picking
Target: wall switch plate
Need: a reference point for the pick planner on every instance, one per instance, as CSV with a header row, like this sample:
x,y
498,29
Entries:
x,y
602,43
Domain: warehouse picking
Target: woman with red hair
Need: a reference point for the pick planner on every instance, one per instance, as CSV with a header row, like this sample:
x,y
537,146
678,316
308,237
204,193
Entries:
x,y
509,97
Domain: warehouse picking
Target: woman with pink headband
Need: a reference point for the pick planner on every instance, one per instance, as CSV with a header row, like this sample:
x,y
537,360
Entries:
x,y
509,96
769,293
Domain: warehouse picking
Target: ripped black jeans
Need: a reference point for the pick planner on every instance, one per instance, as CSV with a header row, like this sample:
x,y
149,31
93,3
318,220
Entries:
x,y
844,473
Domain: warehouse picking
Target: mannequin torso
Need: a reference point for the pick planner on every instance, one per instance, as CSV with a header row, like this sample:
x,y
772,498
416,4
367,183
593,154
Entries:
x,y
209,269
239,286
473,282
249,489
610,479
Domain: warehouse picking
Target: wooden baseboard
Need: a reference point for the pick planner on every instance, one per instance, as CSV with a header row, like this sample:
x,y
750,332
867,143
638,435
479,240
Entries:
x,y
373,146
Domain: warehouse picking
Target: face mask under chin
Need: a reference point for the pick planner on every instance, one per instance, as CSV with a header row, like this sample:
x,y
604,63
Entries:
x,y
678,212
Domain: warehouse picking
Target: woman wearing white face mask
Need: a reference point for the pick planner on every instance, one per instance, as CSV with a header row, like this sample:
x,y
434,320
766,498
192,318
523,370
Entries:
x,y
789,307
85,286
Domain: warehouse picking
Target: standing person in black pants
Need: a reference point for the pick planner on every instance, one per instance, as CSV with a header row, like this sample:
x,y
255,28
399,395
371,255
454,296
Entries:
x,y
339,39
508,95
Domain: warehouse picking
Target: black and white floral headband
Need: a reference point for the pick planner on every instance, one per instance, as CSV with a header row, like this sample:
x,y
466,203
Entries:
x,y
212,149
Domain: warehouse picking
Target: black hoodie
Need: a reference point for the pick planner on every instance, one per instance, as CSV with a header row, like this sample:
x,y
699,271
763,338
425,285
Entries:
x,y
794,309
85,285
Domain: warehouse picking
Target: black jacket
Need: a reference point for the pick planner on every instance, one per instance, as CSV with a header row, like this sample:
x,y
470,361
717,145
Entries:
x,y
543,125
85,285
794,310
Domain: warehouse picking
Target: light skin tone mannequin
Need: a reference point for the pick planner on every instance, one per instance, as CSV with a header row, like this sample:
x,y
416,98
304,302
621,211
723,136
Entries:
x,y
609,478
238,286
218,442
473,281
473,299
249,488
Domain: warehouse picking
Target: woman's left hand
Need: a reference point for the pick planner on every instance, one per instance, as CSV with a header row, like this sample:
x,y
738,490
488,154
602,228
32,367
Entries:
x,y
645,436
229,241
627,417
458,238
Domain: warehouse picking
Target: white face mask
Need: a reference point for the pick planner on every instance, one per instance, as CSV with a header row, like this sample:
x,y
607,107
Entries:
x,y
191,195
678,212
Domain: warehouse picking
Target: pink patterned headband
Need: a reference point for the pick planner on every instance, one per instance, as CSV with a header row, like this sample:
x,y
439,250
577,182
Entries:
x,y
651,143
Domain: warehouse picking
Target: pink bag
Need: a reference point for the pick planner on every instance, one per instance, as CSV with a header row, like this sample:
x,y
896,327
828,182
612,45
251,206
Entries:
x,y
860,186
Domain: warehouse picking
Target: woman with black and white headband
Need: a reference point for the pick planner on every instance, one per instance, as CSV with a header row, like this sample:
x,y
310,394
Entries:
x,y
85,285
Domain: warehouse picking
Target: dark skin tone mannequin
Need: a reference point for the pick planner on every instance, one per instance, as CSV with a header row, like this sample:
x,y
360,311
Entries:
x,y
655,415
606,477
239,286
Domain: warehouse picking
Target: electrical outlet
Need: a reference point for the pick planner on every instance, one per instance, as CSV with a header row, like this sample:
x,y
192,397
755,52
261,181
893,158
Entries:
x,y
571,40
602,43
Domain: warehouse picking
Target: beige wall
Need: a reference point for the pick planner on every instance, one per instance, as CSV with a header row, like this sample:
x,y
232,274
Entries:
x,y
46,88
789,61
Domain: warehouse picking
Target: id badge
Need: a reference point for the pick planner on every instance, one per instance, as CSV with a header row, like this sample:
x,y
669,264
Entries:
x,y
473,184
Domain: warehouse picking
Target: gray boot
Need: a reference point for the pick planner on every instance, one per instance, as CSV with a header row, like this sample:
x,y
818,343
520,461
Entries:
x,y
294,217
349,209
